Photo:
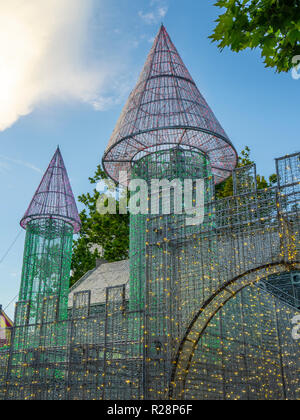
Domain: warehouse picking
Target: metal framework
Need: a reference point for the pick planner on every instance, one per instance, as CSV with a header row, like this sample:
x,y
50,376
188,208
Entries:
x,y
46,267
207,312
54,197
164,110
50,221
5,329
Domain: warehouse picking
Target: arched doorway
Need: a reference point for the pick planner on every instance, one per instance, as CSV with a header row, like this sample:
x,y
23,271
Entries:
x,y
183,362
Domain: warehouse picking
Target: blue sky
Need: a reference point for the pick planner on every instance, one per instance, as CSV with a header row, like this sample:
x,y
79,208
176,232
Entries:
x,y
74,72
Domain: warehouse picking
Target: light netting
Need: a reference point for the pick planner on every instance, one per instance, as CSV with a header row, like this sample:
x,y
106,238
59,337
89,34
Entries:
x,y
54,197
168,165
208,312
40,332
246,352
46,269
4,354
154,276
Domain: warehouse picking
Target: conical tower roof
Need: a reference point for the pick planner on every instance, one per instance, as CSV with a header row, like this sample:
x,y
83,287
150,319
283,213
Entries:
x,y
164,110
54,197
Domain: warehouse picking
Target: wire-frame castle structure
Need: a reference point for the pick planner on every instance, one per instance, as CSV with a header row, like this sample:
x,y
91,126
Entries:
x,y
5,329
207,313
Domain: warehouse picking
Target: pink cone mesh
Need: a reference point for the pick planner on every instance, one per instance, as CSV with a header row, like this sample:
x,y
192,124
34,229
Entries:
x,y
54,197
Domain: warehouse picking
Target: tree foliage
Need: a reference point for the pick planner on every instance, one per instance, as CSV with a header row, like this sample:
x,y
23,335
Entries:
x,y
225,189
105,236
271,25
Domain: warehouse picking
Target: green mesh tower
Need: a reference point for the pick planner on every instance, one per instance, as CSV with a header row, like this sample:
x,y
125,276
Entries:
x,y
167,167
40,334
50,222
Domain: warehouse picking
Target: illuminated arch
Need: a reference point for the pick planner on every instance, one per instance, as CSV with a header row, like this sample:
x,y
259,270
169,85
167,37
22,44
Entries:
x,y
183,360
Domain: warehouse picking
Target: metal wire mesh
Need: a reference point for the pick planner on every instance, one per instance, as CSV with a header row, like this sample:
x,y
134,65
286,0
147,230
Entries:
x,y
246,352
195,322
166,109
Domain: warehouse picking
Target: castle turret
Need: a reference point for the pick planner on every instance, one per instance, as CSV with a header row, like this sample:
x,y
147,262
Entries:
x,y
50,222
166,110
5,328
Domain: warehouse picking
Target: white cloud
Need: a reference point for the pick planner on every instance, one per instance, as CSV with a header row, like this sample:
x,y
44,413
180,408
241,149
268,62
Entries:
x,y
44,56
154,16
5,166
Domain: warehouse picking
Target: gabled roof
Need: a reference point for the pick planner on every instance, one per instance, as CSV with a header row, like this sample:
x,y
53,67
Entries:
x,y
165,110
54,197
5,321
106,275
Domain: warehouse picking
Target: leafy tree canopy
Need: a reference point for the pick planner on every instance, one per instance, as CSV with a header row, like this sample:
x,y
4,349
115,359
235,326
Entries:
x,y
271,25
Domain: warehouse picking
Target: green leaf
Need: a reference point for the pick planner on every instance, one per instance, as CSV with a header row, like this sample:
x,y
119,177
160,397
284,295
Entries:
x,y
271,25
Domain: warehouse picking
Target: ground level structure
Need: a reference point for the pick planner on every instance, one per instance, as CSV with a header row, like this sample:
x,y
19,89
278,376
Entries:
x,y
201,311
219,329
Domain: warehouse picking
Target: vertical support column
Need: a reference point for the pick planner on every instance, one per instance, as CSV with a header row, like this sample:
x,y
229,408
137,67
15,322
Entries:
x,y
168,239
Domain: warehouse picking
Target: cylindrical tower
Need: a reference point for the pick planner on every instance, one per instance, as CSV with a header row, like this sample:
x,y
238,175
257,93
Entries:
x,y
156,245
50,222
166,132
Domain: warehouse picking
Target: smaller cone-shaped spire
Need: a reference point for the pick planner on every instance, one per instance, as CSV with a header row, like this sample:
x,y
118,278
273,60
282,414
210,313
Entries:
x,y
54,197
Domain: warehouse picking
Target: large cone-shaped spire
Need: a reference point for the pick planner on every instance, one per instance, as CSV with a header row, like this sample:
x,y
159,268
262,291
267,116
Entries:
x,y
164,110
54,197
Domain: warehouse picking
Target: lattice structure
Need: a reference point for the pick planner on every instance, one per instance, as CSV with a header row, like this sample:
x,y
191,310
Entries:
x,y
164,110
5,329
207,314
195,323
244,180
50,222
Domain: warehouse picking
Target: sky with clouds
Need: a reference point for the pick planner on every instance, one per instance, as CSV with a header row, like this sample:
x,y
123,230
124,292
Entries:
x,y
68,66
